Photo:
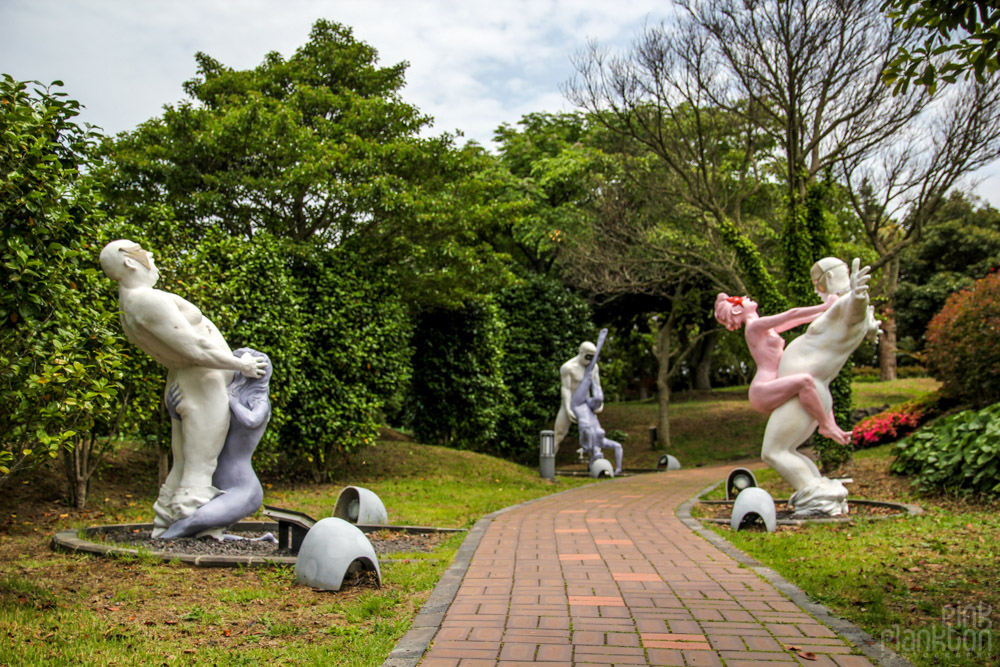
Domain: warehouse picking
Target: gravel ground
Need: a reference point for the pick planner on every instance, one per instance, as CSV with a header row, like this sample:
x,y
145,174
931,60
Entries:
x,y
384,542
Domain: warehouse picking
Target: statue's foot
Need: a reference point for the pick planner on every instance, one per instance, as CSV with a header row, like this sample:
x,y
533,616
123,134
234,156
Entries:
x,y
821,496
836,434
163,515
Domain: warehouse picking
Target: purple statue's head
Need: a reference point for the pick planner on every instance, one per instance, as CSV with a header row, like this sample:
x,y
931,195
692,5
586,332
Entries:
x,y
251,389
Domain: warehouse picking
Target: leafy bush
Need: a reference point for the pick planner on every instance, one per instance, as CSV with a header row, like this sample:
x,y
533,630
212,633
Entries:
x,y
457,394
354,354
545,325
59,360
962,348
960,453
892,424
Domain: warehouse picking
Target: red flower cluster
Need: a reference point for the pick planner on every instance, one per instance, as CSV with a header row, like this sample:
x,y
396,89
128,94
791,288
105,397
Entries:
x,y
888,426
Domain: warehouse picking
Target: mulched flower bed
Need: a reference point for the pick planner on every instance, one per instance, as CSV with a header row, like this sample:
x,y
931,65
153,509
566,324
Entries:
x,y
723,511
383,541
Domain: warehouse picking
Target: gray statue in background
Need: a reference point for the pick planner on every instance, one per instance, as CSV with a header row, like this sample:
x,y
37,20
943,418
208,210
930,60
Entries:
x,y
587,400
570,376
234,476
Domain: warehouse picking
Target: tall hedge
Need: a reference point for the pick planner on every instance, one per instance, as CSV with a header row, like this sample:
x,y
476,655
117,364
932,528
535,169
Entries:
x,y
355,355
486,376
963,351
59,366
457,394
545,325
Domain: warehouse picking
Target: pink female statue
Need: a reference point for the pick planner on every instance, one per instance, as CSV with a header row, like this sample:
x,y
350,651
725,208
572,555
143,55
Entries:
x,y
767,390
792,383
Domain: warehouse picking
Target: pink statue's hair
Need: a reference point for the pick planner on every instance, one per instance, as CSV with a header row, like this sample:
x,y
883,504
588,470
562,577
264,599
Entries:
x,y
724,306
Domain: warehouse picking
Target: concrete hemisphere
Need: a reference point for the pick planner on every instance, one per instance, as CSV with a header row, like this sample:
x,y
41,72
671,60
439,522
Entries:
x,y
360,506
601,468
754,501
330,549
738,480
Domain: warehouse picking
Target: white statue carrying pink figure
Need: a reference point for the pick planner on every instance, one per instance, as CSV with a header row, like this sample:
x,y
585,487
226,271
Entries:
x,y
793,383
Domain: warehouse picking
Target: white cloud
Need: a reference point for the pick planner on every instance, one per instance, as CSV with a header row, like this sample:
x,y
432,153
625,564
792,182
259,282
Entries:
x,y
473,64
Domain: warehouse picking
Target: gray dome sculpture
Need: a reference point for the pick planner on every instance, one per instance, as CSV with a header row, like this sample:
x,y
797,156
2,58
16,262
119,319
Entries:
x,y
360,506
752,502
332,548
601,468
668,462
739,480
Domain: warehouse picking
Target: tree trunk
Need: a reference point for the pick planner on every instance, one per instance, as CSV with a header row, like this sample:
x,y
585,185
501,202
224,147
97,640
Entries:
x,y
887,340
703,368
887,346
663,385
76,462
163,465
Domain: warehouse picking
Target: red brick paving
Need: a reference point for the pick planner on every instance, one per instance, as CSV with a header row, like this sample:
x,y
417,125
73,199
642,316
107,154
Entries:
x,y
622,582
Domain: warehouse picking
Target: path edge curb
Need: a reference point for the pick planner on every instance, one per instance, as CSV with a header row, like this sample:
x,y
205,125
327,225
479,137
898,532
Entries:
x,y
848,631
412,646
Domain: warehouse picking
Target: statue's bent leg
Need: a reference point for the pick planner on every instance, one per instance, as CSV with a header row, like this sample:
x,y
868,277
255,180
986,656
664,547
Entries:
x,y
814,396
611,444
205,418
788,427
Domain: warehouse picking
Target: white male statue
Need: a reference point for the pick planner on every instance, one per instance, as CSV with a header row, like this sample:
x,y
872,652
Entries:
x,y
793,383
199,364
570,375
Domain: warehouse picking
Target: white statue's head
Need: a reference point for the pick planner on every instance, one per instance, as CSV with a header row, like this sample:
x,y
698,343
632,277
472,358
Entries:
x,y
830,275
125,260
587,352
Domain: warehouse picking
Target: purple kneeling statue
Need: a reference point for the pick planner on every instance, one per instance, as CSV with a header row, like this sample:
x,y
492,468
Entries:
x,y
242,493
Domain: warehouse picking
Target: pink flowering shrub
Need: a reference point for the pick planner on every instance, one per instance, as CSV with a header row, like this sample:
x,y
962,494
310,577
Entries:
x,y
894,423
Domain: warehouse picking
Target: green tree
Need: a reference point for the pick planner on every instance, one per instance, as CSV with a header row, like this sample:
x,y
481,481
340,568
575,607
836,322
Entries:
x,y
59,356
552,170
960,39
960,245
457,395
317,145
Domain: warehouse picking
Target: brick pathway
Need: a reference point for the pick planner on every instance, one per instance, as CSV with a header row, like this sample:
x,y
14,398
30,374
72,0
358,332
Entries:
x,y
607,574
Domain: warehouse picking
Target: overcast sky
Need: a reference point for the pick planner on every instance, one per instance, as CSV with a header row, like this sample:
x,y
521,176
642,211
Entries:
x,y
474,64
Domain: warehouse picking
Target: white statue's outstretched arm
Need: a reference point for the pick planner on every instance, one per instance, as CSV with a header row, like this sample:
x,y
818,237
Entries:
x,y
157,313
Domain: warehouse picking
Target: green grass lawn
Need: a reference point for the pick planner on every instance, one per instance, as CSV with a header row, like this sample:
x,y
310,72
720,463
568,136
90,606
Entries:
x,y
60,609
927,586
